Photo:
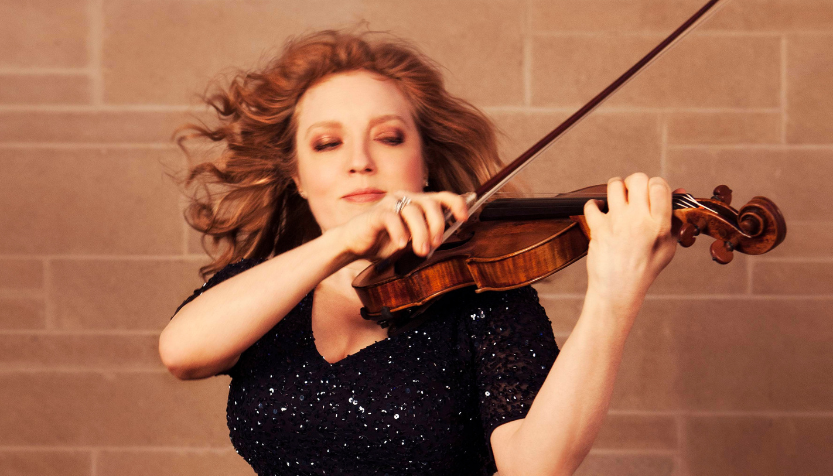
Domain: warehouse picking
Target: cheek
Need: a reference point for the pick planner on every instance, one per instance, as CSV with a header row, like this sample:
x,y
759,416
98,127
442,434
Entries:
x,y
413,168
314,176
318,182
319,185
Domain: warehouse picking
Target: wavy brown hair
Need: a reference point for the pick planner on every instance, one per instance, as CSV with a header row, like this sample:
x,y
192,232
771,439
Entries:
x,y
250,206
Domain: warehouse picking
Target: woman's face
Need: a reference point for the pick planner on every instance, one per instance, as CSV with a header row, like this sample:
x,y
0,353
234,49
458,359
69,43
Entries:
x,y
356,142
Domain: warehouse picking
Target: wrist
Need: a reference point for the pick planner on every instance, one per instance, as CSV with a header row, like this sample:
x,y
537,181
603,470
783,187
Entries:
x,y
333,244
617,309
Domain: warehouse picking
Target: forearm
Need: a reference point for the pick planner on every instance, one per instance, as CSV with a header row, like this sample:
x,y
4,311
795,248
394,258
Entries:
x,y
228,318
568,411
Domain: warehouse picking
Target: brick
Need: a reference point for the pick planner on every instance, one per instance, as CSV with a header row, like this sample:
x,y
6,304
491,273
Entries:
x,y
121,201
194,241
478,42
760,446
777,16
702,71
172,62
692,271
44,89
809,75
570,280
810,453
112,409
808,239
778,174
661,16
563,312
728,355
649,369
610,15
43,33
626,465
631,144
39,351
773,277
19,274
22,313
724,128
634,432
182,463
90,126
120,294
36,462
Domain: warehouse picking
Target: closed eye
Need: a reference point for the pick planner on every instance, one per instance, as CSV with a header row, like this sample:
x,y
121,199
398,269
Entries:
x,y
326,145
395,139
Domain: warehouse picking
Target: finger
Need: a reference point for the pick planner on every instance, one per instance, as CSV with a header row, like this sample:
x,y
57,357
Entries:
x,y
418,228
593,215
616,194
637,185
432,209
660,206
396,230
680,190
455,203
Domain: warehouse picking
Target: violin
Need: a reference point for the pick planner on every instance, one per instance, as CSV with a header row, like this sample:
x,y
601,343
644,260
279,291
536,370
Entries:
x,y
514,242
509,243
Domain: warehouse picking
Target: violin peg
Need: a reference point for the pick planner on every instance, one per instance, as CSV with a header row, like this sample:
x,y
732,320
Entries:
x,y
722,193
722,251
688,232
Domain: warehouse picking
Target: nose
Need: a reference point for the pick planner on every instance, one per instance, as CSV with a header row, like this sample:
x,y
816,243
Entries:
x,y
361,161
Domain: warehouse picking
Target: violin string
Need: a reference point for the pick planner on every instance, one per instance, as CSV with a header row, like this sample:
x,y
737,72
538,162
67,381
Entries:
x,y
679,197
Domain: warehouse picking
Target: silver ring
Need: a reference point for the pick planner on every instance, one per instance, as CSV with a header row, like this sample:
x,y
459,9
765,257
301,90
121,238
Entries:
x,y
400,204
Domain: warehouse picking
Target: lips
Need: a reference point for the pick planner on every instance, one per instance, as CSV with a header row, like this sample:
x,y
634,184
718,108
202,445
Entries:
x,y
364,195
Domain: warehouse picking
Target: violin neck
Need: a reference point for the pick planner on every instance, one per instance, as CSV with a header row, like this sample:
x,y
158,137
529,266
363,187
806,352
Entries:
x,y
541,208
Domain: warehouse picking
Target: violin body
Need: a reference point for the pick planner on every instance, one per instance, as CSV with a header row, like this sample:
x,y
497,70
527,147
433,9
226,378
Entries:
x,y
514,242
497,255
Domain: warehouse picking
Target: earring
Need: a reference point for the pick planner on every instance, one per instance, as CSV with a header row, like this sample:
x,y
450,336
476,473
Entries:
x,y
302,194
425,184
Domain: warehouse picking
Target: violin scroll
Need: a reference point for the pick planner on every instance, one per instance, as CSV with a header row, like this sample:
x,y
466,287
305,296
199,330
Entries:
x,y
756,228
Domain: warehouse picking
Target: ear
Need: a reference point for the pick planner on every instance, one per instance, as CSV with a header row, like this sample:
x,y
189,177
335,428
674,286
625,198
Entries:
x,y
298,186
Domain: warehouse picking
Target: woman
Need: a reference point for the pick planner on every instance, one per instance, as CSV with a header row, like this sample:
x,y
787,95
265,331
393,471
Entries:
x,y
340,152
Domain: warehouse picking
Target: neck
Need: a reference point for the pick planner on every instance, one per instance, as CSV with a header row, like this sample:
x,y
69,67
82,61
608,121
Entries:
x,y
342,279
551,207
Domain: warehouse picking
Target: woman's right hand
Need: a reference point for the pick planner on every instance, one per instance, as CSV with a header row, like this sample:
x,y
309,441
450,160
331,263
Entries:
x,y
380,231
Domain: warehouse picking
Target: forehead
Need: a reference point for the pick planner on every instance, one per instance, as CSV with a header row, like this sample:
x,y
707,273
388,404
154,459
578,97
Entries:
x,y
352,96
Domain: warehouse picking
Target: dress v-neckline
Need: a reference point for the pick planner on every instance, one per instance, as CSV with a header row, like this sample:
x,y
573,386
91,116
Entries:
x,y
308,321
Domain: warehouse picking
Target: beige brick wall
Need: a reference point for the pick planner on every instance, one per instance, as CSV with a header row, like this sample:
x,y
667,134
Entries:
x,y
729,370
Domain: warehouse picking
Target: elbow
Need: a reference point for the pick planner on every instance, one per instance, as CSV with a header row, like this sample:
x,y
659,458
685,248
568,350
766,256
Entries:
x,y
189,363
174,358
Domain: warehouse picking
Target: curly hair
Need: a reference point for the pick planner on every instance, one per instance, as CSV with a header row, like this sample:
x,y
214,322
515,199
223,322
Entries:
x,y
255,210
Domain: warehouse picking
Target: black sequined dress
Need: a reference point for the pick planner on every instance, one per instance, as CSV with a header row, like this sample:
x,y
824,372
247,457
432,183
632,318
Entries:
x,y
423,402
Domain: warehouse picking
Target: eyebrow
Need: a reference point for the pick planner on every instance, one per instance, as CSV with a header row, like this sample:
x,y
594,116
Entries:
x,y
373,122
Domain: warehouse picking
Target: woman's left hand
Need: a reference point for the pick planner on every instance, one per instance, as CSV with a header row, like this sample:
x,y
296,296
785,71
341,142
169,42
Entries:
x,y
631,243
